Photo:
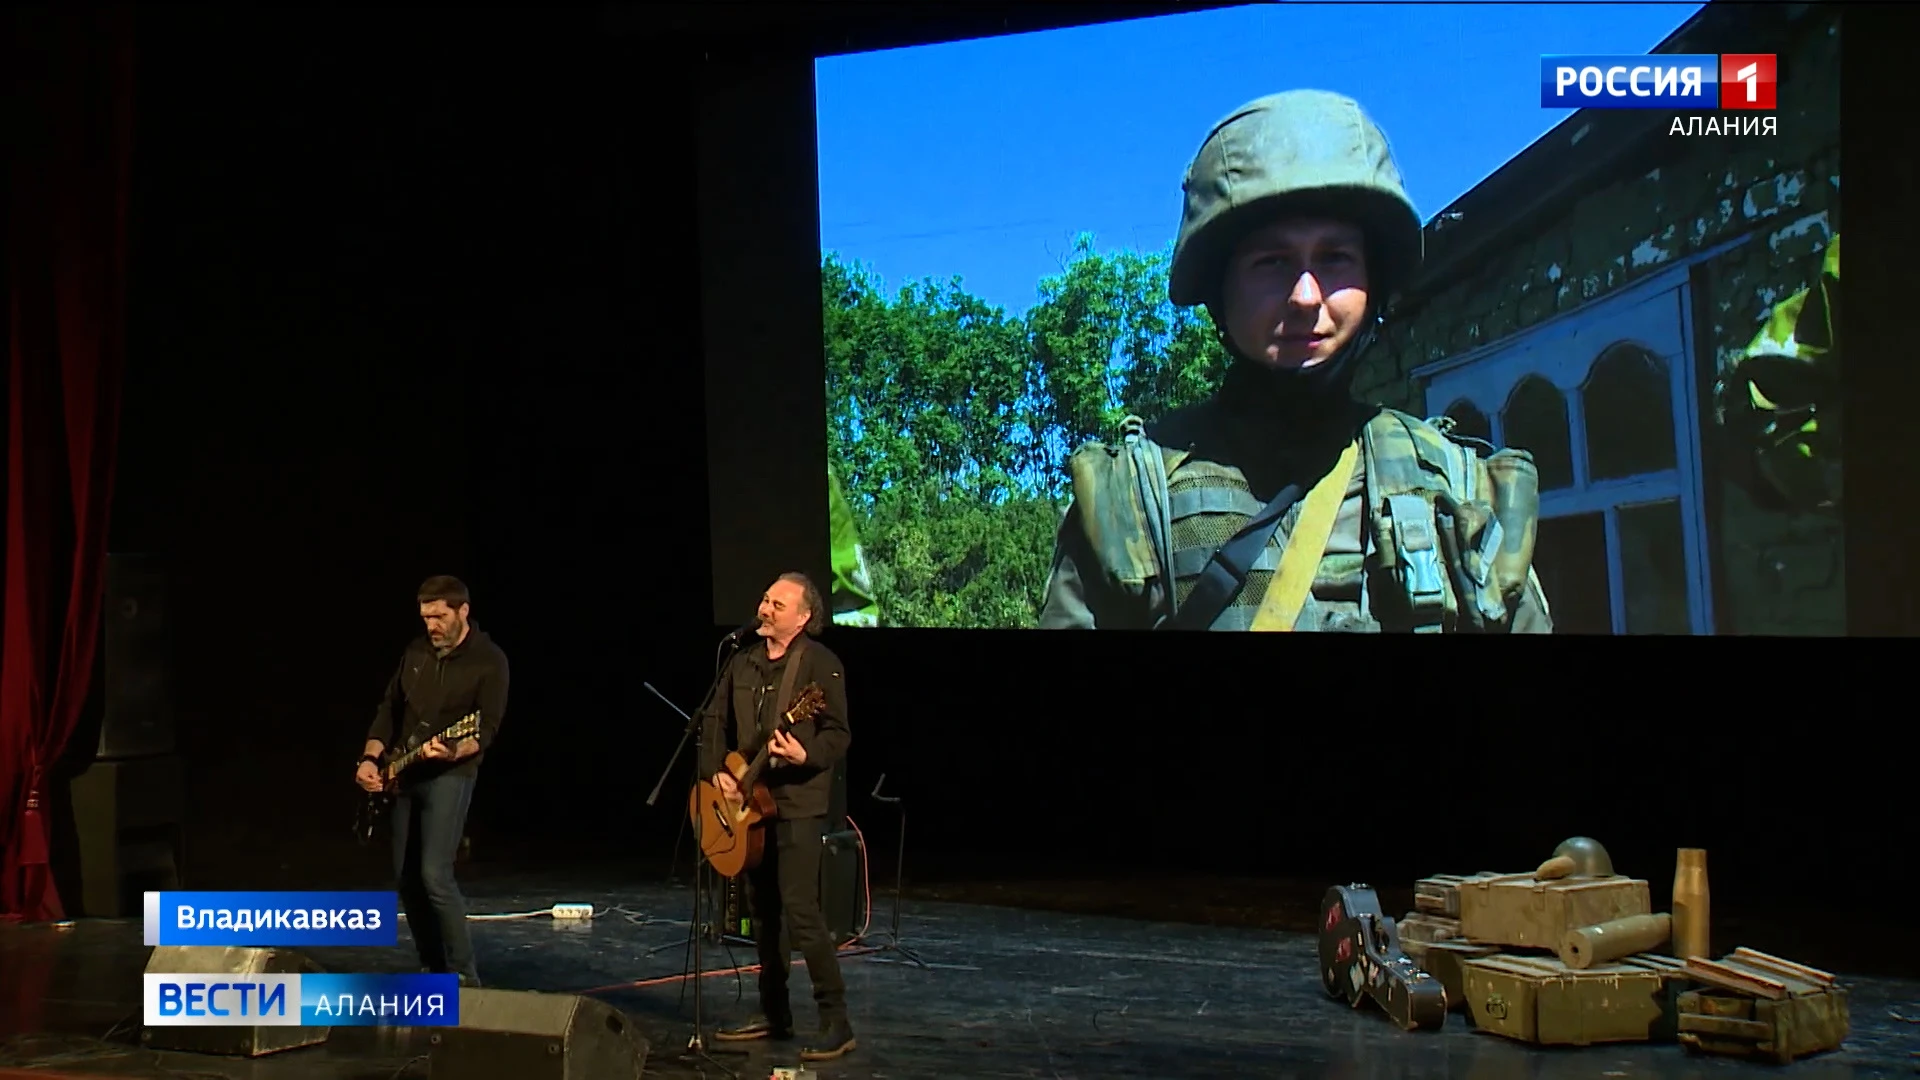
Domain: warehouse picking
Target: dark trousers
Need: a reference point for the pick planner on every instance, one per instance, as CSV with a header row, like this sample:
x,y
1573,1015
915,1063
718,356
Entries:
x,y
785,890
429,819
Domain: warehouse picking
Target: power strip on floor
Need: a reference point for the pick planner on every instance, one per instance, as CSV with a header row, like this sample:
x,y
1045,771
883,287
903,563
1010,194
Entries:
x,y
573,911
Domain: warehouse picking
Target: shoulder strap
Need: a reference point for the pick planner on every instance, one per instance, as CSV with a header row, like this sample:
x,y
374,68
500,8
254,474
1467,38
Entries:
x,y
1150,467
1300,562
1230,565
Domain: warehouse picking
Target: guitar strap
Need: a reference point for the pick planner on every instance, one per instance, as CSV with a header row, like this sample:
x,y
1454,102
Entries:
x,y
426,706
785,701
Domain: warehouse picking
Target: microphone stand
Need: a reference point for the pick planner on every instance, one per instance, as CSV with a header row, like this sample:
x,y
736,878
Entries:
x,y
717,933
697,1043
899,863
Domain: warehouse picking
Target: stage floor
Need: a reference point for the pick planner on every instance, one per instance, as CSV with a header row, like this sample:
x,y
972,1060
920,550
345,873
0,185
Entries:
x,y
1005,993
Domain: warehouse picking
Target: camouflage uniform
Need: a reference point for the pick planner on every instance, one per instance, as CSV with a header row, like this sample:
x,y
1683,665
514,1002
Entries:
x,y
852,600
1782,386
1428,536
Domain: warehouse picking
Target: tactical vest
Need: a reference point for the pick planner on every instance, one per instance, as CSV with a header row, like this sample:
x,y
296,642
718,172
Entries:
x,y
1430,537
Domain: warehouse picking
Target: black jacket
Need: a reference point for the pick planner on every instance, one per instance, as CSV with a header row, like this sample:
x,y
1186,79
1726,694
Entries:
x,y
741,717
428,693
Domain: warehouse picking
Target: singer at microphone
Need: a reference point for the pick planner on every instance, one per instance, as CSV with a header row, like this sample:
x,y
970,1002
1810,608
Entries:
x,y
778,660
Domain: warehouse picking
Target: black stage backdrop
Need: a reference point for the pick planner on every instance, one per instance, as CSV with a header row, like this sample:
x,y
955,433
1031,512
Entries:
x,y
421,292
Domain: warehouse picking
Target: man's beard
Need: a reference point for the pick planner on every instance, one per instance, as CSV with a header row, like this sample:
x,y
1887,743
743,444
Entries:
x,y
445,644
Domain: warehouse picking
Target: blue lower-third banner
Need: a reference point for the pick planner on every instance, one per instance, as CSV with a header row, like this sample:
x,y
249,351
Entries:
x,y
302,1000
272,919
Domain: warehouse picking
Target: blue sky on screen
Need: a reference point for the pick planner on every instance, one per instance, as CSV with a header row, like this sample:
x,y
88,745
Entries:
x,y
984,158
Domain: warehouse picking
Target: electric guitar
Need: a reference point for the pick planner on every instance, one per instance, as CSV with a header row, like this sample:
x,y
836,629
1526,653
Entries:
x,y
732,833
377,803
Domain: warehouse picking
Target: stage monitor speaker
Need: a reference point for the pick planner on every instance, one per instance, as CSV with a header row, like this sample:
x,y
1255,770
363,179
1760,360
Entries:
x,y
842,899
236,961
840,893
128,817
518,1035
840,864
136,718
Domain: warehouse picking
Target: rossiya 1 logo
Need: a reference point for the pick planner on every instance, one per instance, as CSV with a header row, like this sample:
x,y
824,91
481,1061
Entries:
x,y
1748,81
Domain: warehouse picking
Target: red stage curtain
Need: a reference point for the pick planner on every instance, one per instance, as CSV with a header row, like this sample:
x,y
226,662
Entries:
x,y
68,74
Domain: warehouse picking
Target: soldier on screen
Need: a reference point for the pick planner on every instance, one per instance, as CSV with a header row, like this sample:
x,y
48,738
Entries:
x,y
1780,402
1280,503
852,596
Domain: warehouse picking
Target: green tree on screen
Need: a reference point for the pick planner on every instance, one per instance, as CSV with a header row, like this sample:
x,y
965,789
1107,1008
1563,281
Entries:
x,y
950,420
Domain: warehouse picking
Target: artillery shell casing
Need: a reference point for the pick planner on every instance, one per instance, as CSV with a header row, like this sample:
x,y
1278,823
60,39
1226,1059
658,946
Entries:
x,y
1611,941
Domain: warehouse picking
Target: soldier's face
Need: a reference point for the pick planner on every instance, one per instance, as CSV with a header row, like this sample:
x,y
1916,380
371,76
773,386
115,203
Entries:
x,y
1296,292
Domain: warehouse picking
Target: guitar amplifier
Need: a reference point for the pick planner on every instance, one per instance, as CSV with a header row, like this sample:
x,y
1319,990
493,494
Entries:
x,y
842,899
842,860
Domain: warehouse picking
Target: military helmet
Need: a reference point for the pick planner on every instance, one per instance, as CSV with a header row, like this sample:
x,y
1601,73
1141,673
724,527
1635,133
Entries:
x,y
1590,858
1302,151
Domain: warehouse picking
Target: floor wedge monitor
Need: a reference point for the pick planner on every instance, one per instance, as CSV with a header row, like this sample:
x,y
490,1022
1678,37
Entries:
x,y
519,1035
223,1039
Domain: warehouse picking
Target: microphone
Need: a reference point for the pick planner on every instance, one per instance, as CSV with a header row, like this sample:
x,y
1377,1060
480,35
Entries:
x,y
743,632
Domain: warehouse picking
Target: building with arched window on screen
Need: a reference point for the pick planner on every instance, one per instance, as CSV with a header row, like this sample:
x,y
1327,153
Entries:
x,y
1594,302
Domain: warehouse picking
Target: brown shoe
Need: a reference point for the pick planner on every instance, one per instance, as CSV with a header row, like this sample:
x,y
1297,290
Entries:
x,y
757,1027
834,1040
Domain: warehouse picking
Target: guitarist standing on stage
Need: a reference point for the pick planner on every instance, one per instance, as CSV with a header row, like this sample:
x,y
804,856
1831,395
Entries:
x,y
757,687
454,670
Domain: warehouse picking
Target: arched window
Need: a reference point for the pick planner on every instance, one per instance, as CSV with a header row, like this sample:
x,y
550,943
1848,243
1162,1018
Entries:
x,y
1470,421
1629,403
1603,399
1535,419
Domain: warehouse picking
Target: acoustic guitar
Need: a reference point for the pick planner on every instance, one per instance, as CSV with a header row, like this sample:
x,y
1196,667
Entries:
x,y
732,833
377,803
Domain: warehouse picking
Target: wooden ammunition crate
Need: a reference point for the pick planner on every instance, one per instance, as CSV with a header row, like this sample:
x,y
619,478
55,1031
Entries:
x,y
1761,1006
1446,961
1420,928
1440,894
1538,999
1517,911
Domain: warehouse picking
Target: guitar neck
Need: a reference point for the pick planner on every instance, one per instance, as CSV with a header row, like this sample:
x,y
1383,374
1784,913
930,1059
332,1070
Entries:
x,y
755,767
759,763
803,709
400,764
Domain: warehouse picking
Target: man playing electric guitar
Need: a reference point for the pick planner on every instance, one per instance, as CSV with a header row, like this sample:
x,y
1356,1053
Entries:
x,y
453,671
756,689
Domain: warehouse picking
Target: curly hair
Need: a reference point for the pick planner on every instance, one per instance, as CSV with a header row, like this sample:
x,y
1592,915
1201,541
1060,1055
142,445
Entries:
x,y
810,596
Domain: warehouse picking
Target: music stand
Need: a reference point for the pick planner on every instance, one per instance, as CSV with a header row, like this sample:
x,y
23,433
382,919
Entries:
x,y
899,862
697,1043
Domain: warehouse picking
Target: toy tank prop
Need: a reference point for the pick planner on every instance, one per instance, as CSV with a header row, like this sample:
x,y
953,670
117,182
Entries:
x,y
1571,953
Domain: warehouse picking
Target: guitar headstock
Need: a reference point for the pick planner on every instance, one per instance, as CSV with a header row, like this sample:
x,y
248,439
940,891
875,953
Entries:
x,y
808,704
462,728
